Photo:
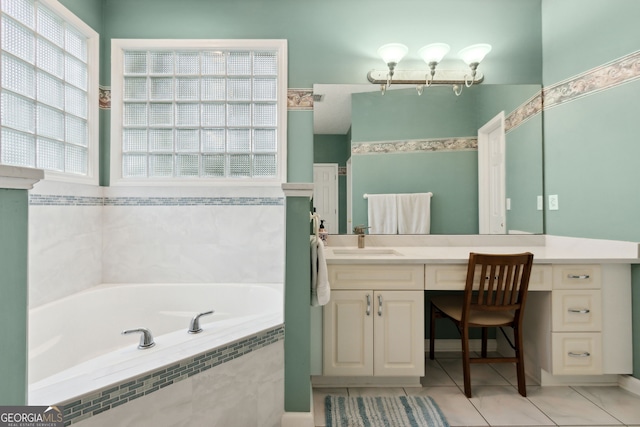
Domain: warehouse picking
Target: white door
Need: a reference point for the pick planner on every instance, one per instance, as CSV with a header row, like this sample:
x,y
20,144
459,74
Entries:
x,y
398,333
325,194
491,177
348,334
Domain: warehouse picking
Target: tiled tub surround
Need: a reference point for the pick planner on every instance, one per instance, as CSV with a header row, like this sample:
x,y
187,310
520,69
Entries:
x,y
81,236
90,368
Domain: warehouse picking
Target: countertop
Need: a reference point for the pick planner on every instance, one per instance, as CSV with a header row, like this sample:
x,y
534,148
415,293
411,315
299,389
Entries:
x,y
546,249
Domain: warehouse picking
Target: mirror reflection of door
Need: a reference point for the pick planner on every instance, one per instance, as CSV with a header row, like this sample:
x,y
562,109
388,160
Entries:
x,y
325,194
491,176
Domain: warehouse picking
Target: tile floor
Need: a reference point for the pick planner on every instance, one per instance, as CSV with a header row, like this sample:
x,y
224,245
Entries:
x,y
496,401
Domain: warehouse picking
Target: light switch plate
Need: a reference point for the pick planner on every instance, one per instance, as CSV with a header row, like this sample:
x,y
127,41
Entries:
x,y
508,203
540,201
553,202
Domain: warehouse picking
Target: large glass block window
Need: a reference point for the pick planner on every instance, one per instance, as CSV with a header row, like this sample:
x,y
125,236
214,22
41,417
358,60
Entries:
x,y
206,113
44,89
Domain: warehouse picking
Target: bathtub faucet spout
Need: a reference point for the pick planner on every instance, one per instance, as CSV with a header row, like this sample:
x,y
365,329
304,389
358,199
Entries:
x,y
146,339
194,326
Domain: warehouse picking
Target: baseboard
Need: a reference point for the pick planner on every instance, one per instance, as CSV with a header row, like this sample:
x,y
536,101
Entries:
x,y
453,345
297,419
629,383
546,379
333,382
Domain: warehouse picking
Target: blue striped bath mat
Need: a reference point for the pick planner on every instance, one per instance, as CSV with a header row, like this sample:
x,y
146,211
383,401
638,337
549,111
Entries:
x,y
369,411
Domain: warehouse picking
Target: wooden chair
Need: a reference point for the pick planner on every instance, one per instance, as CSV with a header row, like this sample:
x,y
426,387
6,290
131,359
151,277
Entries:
x,y
494,296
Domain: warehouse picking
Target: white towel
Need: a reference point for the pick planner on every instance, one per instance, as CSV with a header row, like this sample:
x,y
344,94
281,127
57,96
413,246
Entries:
x,y
382,214
320,287
414,213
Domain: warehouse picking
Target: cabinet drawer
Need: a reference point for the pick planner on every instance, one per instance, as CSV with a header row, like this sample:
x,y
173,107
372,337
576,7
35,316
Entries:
x,y
577,277
578,353
378,277
577,310
453,277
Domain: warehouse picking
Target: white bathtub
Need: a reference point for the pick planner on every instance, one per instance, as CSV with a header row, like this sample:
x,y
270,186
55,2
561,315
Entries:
x,y
76,346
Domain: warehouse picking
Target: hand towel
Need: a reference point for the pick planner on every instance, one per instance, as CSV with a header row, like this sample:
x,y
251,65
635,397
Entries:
x,y
414,213
382,214
320,287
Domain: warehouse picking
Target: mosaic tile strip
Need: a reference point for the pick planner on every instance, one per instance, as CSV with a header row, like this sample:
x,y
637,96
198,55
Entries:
x,y
611,74
119,394
104,97
435,144
193,201
300,99
342,171
63,200
524,112
60,200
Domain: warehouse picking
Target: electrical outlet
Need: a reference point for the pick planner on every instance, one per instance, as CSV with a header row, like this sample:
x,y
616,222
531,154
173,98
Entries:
x,y
553,202
540,201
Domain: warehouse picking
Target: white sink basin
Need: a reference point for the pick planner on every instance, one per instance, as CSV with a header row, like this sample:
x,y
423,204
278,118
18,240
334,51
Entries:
x,y
367,252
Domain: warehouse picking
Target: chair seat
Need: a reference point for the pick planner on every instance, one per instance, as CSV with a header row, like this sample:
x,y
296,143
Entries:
x,y
452,306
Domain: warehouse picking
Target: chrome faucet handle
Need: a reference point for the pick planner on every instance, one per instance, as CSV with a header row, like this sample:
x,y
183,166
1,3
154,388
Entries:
x,y
359,229
146,339
194,326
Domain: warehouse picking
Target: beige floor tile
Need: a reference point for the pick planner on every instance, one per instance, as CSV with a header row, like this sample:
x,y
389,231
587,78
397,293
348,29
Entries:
x,y
455,407
565,406
620,403
503,406
435,375
480,374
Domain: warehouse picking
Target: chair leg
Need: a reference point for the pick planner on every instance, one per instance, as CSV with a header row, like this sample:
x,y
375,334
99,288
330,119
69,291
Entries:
x,y
485,336
432,332
522,386
466,366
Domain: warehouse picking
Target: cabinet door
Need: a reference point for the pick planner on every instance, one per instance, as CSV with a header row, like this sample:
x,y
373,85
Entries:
x,y
348,334
399,333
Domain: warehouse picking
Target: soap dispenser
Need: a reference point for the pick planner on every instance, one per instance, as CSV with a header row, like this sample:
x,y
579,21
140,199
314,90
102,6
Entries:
x,y
323,233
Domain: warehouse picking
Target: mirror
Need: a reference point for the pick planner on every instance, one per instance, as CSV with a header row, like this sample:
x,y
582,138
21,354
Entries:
x,y
405,143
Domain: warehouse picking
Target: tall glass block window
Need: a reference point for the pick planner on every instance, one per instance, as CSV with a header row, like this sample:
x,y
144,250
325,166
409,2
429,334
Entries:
x,y
43,89
200,113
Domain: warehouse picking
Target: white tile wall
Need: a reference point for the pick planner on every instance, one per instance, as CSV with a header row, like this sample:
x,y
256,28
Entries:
x,y
73,247
65,244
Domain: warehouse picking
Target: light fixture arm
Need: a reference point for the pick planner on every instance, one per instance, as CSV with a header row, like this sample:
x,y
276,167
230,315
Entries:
x,y
474,67
432,73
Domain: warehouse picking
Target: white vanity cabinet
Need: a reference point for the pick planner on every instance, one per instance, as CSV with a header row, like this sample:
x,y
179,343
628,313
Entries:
x,y
583,328
374,323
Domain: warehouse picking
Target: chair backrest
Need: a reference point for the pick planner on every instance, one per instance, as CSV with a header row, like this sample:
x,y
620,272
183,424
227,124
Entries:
x,y
502,282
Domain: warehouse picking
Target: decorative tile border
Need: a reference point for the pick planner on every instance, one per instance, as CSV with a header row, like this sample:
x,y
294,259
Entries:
x,y
524,112
342,171
193,201
300,99
406,146
620,71
105,97
62,200
119,394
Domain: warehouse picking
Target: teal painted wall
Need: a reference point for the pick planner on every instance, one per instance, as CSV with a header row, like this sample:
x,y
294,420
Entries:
x,y
591,150
335,149
13,296
90,11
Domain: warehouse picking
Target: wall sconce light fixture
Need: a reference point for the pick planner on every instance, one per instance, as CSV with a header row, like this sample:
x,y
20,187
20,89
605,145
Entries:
x,y
432,54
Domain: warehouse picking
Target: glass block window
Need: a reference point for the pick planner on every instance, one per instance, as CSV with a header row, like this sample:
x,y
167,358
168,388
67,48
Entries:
x,y
206,113
44,88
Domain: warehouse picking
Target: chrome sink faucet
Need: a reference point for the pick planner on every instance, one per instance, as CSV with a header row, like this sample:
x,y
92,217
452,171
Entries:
x,y
146,339
359,230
